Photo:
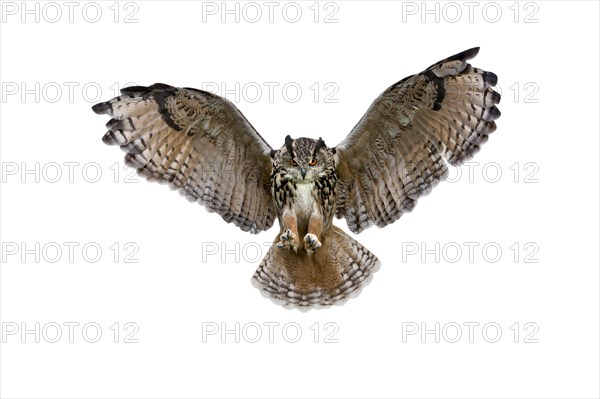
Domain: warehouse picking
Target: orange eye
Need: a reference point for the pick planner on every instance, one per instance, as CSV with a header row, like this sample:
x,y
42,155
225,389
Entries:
x,y
313,162
294,163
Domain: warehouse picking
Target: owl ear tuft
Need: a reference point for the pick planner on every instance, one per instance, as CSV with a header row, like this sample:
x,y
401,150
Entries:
x,y
288,145
320,144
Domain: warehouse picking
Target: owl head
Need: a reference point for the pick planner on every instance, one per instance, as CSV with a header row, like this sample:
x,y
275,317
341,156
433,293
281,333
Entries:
x,y
304,159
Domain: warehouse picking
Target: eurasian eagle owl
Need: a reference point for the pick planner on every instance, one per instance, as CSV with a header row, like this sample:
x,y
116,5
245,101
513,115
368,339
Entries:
x,y
201,145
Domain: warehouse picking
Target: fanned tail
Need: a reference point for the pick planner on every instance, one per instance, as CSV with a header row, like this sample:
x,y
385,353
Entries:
x,y
335,273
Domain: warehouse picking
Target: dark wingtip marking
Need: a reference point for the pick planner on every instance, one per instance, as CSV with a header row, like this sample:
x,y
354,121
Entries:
x,y
490,78
467,54
495,97
493,113
108,138
489,127
111,123
161,86
101,108
134,89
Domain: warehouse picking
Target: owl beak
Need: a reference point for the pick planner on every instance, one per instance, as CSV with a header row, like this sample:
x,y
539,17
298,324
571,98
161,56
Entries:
x,y
303,172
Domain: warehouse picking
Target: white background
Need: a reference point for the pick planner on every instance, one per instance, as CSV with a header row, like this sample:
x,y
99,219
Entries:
x,y
548,133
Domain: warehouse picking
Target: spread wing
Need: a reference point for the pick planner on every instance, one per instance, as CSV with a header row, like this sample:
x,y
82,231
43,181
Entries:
x,y
398,150
199,144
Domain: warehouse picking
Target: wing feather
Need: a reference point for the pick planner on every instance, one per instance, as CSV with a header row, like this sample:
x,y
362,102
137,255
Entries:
x,y
200,145
400,148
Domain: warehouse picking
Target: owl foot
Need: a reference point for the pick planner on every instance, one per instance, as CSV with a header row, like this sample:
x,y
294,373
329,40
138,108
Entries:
x,y
311,243
288,240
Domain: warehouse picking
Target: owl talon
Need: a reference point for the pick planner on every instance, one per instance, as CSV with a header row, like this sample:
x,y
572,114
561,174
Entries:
x,y
288,240
311,243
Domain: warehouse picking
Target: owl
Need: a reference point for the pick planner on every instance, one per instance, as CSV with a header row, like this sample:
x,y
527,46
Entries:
x,y
201,145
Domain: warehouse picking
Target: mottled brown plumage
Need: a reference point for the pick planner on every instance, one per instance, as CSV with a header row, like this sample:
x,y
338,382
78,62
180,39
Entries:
x,y
201,145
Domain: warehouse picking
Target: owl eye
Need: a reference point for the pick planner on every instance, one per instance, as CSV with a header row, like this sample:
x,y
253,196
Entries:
x,y
313,162
293,162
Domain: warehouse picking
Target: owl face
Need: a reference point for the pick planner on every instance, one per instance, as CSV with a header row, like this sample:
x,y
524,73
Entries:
x,y
304,159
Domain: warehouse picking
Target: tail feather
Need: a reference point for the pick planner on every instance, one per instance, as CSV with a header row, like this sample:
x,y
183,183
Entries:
x,y
335,273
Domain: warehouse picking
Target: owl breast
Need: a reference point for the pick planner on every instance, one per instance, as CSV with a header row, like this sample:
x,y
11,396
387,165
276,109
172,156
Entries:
x,y
305,197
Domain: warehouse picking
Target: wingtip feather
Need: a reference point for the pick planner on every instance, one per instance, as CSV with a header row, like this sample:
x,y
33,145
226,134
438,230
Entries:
x,y
490,78
101,108
468,54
